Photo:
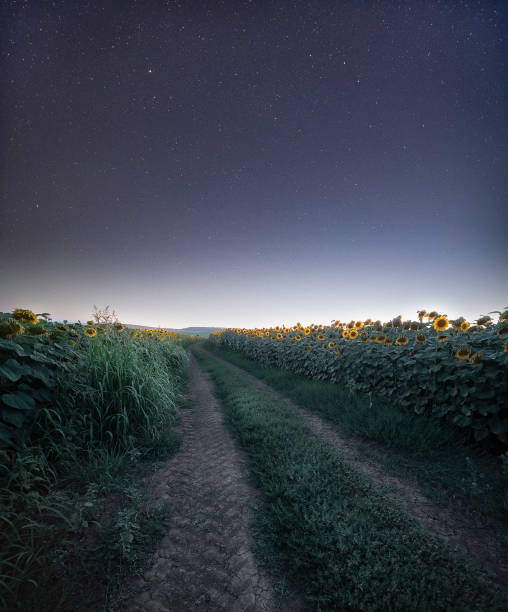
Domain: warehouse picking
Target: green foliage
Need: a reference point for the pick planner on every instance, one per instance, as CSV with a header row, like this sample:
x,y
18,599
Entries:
x,y
324,526
78,405
424,378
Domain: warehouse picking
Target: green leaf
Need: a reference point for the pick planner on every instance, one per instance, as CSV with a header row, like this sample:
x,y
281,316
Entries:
x,y
499,426
11,369
14,417
20,401
11,347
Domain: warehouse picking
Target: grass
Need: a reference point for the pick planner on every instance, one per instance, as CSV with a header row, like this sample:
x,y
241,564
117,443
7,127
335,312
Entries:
x,y
423,447
72,513
323,526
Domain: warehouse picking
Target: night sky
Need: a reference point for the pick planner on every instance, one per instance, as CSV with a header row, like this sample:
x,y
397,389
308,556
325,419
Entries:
x,y
253,163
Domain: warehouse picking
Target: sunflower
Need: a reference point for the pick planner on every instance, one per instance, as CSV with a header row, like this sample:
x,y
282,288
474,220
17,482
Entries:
x,y
25,316
420,338
336,351
90,332
421,314
432,315
345,333
373,338
331,345
353,334
401,340
279,336
388,342
359,324
463,352
306,331
37,331
10,327
476,358
414,325
367,322
380,339
441,323
442,338
298,337
320,337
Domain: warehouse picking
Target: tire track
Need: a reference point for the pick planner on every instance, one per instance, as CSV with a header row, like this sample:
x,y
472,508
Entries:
x,y
204,562
478,544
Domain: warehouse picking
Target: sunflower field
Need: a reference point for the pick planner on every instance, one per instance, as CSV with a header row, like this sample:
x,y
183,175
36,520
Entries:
x,y
447,368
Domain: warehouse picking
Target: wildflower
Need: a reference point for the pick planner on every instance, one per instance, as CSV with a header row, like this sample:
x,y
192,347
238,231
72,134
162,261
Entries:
x,y
464,326
90,332
420,338
463,352
25,316
401,340
353,334
441,323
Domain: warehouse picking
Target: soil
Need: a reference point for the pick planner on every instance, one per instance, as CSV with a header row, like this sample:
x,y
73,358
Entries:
x,y
205,561
477,543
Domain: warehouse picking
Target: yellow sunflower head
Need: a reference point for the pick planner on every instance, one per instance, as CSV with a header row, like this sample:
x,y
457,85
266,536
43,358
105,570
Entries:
x,y
359,324
420,338
441,323
463,352
306,331
464,326
279,336
345,333
380,339
331,345
336,351
298,337
90,332
10,327
353,334
25,316
401,340
388,342
321,337
368,321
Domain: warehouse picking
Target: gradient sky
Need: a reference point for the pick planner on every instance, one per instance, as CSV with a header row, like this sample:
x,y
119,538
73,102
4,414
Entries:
x,y
249,163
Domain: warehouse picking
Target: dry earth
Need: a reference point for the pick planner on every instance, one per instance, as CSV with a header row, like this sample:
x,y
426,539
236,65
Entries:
x,y
477,543
204,562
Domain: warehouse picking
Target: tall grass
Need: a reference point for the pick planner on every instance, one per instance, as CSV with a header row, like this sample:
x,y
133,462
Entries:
x,y
116,405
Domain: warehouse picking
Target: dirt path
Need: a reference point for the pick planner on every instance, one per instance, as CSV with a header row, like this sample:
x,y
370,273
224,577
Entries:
x,y
476,544
204,562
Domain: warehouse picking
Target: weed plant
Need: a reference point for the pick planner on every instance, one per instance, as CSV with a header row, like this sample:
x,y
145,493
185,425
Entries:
x,y
326,528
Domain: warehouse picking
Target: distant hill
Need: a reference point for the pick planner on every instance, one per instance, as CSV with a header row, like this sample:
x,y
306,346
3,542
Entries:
x,y
194,331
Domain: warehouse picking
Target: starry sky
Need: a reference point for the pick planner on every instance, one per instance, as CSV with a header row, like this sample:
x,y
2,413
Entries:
x,y
251,163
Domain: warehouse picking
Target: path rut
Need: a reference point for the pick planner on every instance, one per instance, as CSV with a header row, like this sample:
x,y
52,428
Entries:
x,y
478,544
204,562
